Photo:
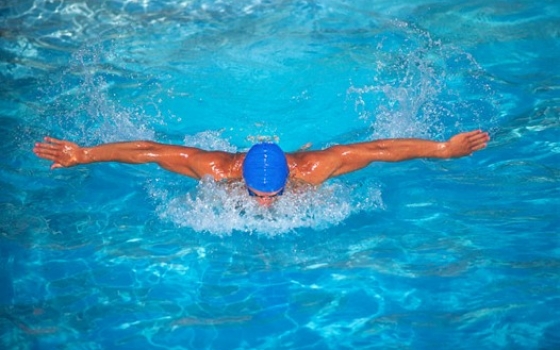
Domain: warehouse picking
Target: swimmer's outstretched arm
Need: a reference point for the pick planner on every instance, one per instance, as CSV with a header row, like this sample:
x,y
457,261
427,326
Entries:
x,y
189,161
342,159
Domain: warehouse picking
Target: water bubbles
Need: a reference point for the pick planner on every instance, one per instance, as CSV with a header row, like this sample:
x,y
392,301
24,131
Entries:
x,y
209,140
419,88
86,106
224,208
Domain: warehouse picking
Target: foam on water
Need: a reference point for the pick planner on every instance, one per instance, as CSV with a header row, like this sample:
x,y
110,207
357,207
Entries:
x,y
224,208
210,140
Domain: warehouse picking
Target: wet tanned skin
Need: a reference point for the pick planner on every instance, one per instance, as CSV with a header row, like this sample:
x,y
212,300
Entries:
x,y
311,167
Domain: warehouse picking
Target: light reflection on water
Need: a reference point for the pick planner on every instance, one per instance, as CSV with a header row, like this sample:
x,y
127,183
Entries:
x,y
462,253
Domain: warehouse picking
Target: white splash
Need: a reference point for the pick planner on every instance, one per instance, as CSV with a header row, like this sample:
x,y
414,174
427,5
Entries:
x,y
221,209
417,90
209,140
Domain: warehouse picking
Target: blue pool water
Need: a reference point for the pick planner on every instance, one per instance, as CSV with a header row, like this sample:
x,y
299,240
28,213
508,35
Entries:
x,y
461,254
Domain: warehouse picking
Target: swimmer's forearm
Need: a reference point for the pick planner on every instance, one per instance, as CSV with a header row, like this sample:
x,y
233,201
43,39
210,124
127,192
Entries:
x,y
460,145
356,156
134,152
396,150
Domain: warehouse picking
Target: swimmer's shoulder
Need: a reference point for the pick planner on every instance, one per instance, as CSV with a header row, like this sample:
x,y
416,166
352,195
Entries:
x,y
219,165
311,166
235,166
302,169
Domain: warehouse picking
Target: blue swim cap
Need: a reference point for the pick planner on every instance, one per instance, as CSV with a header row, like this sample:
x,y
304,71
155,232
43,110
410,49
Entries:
x,y
265,168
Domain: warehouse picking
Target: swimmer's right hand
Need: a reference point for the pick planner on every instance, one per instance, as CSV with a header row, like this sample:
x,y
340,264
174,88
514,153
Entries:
x,y
62,153
466,143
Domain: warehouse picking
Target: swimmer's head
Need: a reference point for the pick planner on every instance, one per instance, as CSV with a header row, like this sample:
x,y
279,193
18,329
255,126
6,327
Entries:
x,y
265,168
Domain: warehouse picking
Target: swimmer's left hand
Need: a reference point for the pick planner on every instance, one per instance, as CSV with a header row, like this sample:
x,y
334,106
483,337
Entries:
x,y
466,143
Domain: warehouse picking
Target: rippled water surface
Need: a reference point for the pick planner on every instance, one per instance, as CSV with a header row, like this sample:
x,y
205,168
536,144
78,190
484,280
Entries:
x,y
426,254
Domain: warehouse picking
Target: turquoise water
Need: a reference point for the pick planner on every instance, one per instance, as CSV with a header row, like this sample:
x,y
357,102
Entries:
x,y
461,254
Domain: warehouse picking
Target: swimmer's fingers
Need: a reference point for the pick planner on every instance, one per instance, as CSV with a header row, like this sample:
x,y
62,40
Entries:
x,y
47,153
466,143
57,165
53,140
45,150
477,140
48,148
50,142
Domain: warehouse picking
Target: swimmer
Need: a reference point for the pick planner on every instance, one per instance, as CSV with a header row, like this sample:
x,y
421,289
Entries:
x,y
265,168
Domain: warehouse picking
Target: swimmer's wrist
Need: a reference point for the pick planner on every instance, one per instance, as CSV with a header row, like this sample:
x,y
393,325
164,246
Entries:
x,y
84,155
443,150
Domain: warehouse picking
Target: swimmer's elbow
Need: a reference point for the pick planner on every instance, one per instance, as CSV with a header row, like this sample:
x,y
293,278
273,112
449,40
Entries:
x,y
146,145
138,152
148,151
